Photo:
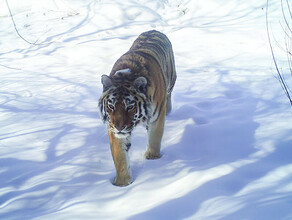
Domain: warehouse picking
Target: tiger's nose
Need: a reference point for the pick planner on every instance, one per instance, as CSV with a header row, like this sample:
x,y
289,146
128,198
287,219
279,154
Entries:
x,y
120,127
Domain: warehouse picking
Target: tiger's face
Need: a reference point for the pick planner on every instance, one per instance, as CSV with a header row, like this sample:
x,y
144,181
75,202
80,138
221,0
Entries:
x,y
123,107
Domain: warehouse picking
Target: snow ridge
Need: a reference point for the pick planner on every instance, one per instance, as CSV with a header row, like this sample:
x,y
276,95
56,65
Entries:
x,y
227,142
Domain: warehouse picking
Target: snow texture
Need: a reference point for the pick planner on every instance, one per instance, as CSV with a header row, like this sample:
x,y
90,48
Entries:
x,y
227,142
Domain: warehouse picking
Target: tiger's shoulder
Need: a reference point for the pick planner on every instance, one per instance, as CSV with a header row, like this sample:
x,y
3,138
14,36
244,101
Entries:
x,y
151,56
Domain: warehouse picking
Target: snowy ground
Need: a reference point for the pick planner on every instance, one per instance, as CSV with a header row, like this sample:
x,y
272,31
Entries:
x,y
227,143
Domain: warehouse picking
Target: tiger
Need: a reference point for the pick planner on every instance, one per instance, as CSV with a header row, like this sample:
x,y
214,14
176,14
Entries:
x,y
138,91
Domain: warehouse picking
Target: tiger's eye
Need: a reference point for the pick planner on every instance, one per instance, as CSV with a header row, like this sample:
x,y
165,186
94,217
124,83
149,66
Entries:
x,y
130,107
110,106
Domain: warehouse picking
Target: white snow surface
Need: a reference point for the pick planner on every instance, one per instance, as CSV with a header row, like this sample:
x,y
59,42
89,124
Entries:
x,y
227,142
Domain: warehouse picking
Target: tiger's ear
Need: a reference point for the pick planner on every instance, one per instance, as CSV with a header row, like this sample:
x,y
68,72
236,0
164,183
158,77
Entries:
x,y
106,82
140,84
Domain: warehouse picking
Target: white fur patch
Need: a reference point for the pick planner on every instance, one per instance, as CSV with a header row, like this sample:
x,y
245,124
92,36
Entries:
x,y
121,136
123,71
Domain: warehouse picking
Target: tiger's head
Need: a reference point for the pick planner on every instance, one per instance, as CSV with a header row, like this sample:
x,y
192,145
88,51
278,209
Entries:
x,y
123,105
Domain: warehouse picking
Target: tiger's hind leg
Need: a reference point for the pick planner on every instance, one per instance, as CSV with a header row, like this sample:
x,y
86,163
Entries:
x,y
155,132
172,78
168,104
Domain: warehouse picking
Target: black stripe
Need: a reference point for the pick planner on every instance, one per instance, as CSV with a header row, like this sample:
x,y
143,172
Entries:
x,y
101,108
145,107
159,112
139,107
128,145
155,110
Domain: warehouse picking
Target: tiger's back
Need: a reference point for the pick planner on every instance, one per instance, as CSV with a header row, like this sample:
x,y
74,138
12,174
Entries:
x,y
138,90
151,56
159,47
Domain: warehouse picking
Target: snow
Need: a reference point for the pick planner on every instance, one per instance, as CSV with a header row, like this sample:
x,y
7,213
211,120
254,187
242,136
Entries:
x,y
227,142
123,71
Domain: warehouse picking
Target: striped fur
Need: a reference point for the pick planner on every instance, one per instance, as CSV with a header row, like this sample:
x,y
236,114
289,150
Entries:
x,y
138,91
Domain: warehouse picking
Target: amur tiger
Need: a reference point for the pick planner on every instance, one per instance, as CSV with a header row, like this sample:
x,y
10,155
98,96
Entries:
x,y
138,91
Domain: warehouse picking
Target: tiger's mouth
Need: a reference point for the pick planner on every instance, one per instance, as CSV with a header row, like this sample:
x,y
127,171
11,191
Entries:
x,y
125,133
122,134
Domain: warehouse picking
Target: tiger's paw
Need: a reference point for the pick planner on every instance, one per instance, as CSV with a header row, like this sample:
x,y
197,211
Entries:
x,y
122,181
152,155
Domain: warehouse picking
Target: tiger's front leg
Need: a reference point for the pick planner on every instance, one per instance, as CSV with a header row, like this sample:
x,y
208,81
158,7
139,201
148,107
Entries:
x,y
155,132
119,149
